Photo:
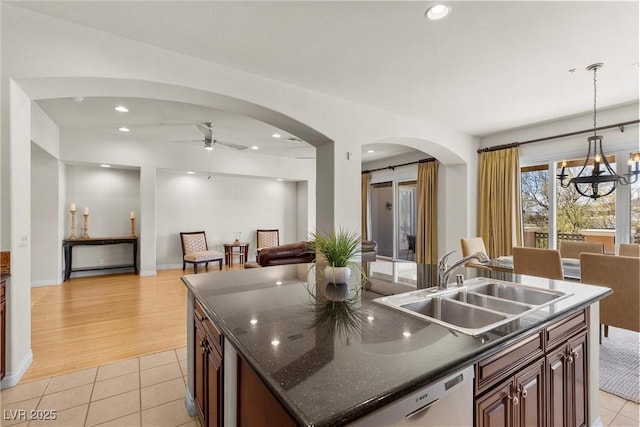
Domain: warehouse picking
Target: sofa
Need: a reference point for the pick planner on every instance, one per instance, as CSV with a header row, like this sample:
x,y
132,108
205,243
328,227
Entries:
x,y
290,253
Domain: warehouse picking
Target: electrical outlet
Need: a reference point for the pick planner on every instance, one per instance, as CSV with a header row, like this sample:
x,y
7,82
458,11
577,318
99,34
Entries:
x,y
24,240
101,261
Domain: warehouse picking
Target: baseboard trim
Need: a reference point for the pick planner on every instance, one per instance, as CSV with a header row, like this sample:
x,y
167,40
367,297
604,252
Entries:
x,y
189,403
12,378
147,273
40,283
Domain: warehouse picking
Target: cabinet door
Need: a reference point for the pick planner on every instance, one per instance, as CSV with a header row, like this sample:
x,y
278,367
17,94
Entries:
x,y
199,364
556,386
214,388
577,381
495,409
530,391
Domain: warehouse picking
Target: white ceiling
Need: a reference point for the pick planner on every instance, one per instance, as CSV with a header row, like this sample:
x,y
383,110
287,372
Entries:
x,y
486,68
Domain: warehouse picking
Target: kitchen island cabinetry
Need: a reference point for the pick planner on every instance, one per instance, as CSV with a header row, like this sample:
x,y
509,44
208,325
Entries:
x,y
567,383
556,380
284,364
207,369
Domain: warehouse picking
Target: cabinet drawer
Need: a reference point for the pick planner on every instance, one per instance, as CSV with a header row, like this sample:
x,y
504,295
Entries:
x,y
212,332
560,331
507,361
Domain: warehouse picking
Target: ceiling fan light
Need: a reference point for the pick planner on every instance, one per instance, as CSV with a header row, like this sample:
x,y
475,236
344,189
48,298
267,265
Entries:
x,y
208,147
124,129
255,147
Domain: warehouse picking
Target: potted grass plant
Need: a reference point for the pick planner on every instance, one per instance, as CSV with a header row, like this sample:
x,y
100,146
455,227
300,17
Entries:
x,y
337,251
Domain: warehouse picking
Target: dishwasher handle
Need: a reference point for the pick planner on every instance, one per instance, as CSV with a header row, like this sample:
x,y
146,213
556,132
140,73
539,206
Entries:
x,y
421,409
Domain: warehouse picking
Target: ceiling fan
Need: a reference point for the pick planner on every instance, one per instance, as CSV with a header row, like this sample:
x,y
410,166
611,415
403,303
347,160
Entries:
x,y
210,141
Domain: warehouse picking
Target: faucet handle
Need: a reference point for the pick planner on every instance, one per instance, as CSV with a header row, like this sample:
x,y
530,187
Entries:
x,y
443,260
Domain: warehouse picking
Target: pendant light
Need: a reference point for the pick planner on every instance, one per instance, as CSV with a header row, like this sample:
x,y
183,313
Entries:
x,y
597,178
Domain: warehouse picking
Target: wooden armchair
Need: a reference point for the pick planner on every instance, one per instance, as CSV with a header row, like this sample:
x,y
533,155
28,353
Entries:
x,y
196,251
622,274
267,239
538,262
570,249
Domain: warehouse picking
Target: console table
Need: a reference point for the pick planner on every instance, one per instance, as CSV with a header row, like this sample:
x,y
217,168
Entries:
x,y
69,244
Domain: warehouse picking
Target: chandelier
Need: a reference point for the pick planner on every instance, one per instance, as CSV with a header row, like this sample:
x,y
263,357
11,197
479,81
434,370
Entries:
x,y
597,179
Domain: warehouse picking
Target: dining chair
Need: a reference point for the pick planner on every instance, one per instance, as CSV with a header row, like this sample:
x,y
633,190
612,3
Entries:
x,y
571,249
622,275
196,251
629,249
538,262
471,246
266,238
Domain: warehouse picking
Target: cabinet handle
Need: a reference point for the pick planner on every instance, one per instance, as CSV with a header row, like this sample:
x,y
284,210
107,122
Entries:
x,y
574,354
203,346
514,400
523,391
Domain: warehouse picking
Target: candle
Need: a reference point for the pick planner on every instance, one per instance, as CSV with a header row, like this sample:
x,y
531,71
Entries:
x,y
564,163
132,214
72,207
86,211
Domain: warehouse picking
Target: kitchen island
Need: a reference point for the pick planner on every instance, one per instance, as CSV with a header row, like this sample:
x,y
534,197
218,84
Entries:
x,y
328,362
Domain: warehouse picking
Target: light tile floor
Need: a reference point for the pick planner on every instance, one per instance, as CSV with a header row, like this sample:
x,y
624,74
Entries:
x,y
149,391
144,391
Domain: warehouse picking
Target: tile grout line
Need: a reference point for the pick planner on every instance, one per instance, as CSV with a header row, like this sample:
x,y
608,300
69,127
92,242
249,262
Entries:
x,y
86,415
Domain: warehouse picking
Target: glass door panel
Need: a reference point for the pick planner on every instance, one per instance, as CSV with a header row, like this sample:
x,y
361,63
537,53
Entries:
x,y
582,218
407,213
535,205
382,217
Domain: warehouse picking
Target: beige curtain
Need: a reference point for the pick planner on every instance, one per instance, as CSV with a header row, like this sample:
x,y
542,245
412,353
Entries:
x,y
500,218
427,236
366,179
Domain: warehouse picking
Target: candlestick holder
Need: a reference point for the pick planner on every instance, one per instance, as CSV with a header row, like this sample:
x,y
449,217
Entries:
x,y
73,234
85,226
133,227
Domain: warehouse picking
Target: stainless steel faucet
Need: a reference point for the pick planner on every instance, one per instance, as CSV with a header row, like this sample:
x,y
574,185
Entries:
x,y
444,271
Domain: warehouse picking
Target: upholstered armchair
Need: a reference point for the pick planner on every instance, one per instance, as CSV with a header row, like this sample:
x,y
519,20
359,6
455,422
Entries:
x,y
196,251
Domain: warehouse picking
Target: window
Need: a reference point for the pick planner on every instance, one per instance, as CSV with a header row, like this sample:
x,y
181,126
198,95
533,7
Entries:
x,y
635,202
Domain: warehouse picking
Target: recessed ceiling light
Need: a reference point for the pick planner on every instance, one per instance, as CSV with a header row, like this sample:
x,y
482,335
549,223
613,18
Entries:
x,y
121,108
105,166
124,129
437,11
255,147
253,321
190,172
276,135
371,151
406,333
278,283
275,342
278,179
78,98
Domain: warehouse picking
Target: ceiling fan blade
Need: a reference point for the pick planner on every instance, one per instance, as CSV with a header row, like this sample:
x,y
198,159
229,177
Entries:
x,y
231,145
206,130
191,140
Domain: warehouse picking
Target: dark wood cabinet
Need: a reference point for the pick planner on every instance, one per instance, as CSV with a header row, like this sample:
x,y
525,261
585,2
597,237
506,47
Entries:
x,y
541,380
519,401
257,406
567,379
207,369
3,322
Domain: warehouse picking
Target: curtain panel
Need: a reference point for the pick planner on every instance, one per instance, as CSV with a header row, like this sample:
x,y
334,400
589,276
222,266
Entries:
x,y
499,201
366,179
427,236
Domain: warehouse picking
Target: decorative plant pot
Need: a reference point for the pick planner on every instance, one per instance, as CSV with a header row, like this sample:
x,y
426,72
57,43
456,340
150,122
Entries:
x,y
337,275
337,292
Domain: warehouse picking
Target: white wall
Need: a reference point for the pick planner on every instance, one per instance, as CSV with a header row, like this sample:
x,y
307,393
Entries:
x,y
45,219
110,194
220,206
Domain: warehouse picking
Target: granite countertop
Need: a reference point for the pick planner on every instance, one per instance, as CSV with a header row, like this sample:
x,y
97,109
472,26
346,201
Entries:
x,y
327,373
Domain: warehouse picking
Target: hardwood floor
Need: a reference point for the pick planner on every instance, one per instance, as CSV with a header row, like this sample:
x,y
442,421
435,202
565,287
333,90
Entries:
x,y
91,321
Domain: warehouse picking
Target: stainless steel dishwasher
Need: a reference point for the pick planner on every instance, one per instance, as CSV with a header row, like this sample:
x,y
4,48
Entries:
x,y
448,402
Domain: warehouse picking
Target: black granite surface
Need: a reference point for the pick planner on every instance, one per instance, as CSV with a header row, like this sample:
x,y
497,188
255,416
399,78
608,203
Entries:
x,y
330,362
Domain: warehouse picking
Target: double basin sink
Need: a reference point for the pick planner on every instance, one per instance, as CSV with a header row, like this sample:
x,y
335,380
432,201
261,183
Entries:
x,y
479,305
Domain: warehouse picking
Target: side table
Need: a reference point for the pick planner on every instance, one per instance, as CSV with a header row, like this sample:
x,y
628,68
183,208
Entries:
x,y
241,250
